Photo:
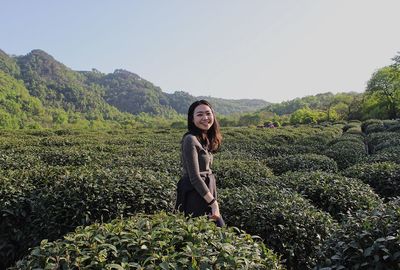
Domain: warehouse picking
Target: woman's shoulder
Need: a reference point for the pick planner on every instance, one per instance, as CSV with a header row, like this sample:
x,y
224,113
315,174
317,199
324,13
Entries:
x,y
189,138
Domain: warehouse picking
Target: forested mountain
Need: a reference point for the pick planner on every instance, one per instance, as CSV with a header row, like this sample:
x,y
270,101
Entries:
x,y
68,96
58,86
130,93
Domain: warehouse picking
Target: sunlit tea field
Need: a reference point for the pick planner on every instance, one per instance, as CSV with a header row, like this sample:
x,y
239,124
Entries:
x,y
296,197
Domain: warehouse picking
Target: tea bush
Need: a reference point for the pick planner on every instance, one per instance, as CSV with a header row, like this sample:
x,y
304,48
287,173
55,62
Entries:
x,y
394,128
332,193
383,177
391,154
378,140
365,241
288,223
317,142
394,141
302,162
47,203
161,241
236,173
346,153
372,125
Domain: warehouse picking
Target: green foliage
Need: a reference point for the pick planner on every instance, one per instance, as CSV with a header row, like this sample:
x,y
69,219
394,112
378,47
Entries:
x,y
55,180
287,222
383,177
307,116
236,173
365,241
385,85
336,106
301,162
161,241
332,193
17,108
8,65
391,154
48,202
382,140
347,151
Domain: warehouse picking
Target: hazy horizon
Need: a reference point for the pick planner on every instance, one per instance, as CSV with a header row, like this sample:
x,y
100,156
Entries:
x,y
270,50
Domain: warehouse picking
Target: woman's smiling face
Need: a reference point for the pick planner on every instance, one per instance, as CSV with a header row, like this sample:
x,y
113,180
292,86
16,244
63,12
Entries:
x,y
203,117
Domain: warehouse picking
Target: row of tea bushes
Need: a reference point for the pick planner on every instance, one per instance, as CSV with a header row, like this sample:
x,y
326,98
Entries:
x,y
48,202
381,140
383,177
376,125
367,240
301,162
236,173
287,222
347,150
332,193
160,241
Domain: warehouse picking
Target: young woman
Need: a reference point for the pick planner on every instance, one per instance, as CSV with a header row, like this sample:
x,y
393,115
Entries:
x,y
196,190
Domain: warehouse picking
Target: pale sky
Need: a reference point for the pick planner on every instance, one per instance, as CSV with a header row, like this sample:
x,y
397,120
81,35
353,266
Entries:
x,y
264,49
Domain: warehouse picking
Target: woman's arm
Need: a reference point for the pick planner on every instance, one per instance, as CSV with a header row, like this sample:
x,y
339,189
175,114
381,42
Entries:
x,y
190,156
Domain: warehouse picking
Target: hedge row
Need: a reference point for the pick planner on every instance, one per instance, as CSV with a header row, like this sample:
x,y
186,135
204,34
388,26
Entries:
x,y
48,202
382,140
332,193
236,173
383,177
301,162
367,240
347,152
391,154
161,241
288,223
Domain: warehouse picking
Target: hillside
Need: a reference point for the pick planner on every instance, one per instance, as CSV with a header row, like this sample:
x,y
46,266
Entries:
x,y
93,95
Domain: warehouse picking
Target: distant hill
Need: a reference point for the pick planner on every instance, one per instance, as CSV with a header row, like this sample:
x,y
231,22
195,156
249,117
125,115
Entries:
x,y
64,95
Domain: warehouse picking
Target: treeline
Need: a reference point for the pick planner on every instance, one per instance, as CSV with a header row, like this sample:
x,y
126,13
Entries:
x,y
381,100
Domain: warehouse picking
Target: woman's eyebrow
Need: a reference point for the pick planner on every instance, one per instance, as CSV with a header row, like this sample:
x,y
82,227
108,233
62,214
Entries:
x,y
203,111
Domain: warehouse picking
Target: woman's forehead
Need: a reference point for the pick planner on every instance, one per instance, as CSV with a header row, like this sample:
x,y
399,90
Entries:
x,y
202,108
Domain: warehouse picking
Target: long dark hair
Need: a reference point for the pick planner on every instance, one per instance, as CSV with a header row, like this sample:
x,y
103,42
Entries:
x,y
214,137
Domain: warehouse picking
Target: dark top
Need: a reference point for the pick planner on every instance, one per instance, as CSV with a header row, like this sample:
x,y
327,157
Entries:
x,y
196,160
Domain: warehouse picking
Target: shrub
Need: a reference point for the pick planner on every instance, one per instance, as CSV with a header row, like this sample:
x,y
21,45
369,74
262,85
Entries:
x,y
391,154
395,141
346,153
318,143
394,128
365,241
48,202
383,177
161,241
372,128
332,193
367,123
351,125
235,173
288,223
65,157
390,123
355,131
375,139
302,162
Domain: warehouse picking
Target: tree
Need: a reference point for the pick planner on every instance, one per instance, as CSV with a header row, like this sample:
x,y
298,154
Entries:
x,y
385,84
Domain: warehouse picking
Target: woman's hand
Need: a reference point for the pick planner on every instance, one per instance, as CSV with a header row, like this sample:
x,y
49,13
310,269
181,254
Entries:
x,y
214,211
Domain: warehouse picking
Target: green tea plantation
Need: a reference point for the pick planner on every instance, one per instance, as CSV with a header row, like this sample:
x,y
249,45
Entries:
x,y
294,197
